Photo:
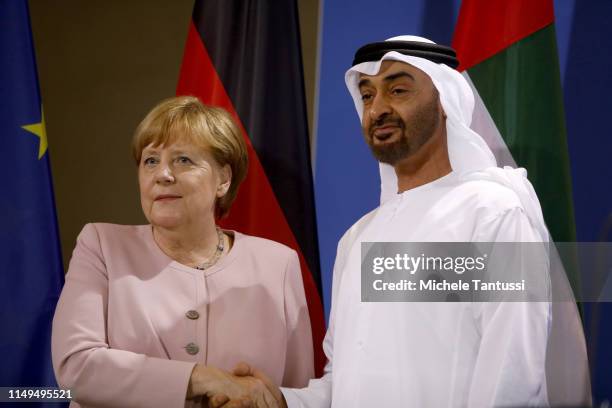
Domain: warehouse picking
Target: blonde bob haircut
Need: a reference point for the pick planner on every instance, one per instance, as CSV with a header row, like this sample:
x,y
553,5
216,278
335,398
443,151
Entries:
x,y
212,128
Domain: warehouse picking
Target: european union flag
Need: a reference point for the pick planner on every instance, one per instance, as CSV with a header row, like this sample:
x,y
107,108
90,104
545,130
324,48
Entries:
x,y
31,271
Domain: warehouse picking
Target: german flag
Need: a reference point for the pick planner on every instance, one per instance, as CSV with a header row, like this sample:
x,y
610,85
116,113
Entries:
x,y
245,56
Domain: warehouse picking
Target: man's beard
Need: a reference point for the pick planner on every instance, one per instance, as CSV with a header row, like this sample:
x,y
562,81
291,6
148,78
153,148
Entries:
x,y
414,135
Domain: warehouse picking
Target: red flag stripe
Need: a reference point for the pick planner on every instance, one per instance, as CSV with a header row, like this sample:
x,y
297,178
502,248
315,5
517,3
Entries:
x,y
486,27
256,206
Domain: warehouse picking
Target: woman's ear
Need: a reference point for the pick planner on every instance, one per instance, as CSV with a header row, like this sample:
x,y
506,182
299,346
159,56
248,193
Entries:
x,y
225,180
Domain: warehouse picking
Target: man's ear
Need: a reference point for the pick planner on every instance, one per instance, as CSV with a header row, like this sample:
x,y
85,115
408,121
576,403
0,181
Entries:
x,y
225,180
441,109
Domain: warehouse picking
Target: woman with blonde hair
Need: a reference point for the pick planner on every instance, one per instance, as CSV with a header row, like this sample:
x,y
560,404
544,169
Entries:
x,y
150,315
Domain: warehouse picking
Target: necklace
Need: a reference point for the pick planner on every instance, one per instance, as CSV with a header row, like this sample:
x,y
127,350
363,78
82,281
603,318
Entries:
x,y
218,251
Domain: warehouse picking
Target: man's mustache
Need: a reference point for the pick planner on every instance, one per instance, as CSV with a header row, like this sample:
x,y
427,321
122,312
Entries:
x,y
388,121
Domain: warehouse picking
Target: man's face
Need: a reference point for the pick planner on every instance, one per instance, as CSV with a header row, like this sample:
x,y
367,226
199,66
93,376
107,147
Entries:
x,y
401,111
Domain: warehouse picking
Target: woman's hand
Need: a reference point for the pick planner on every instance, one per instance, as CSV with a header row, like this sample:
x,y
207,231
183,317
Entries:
x,y
222,388
243,370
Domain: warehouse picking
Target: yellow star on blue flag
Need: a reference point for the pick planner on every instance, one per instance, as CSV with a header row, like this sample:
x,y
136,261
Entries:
x,y
39,130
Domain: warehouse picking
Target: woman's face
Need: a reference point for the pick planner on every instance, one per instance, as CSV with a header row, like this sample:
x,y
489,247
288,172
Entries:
x,y
179,184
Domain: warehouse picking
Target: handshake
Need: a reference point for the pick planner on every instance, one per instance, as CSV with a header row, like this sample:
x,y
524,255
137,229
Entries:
x,y
244,388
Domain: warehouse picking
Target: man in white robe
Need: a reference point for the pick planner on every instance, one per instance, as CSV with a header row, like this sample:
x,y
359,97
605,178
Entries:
x,y
439,183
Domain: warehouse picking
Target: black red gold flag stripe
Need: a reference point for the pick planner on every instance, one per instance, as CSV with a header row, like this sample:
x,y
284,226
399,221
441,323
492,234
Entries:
x,y
245,56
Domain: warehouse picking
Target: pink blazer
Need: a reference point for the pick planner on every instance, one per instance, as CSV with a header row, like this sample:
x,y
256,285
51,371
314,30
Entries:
x,y
131,323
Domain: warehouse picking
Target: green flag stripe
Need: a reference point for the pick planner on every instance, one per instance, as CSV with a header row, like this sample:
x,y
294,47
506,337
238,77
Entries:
x,y
521,89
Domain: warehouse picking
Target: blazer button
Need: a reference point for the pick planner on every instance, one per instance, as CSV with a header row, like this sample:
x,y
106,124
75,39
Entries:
x,y
192,314
192,348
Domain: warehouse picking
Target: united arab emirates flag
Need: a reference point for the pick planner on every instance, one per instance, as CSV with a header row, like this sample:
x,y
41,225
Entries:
x,y
246,57
508,50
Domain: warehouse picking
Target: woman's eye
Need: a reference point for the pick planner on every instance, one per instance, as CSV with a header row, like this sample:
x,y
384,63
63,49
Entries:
x,y
150,161
184,160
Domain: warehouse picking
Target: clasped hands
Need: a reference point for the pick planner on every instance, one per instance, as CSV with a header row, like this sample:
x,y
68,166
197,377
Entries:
x,y
244,388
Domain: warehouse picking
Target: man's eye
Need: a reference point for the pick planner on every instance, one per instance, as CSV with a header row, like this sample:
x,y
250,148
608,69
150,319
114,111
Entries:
x,y
366,97
398,91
